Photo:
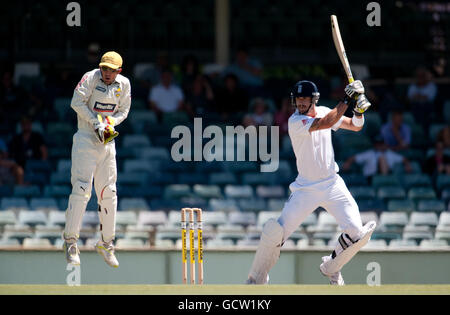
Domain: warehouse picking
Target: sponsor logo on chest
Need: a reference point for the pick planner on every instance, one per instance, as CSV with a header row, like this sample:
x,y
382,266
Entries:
x,y
100,88
102,107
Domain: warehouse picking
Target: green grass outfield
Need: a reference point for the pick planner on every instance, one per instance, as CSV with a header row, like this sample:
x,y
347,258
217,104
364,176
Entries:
x,y
17,289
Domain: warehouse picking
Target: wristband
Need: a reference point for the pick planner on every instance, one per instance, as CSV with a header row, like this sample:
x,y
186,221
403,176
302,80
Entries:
x,y
358,121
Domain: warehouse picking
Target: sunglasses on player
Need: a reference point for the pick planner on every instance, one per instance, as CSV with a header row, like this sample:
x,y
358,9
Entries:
x,y
106,69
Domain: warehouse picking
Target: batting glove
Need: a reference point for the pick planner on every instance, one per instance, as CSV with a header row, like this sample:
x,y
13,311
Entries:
x,y
362,104
354,89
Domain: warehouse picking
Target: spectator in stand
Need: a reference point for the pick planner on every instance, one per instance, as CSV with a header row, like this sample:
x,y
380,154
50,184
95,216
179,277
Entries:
x,y
11,96
438,162
421,96
190,69
259,115
28,144
154,75
10,172
282,116
379,160
444,137
231,100
396,134
199,97
248,70
166,97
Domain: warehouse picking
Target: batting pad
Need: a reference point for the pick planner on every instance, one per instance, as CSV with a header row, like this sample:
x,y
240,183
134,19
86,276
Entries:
x,y
107,213
268,251
334,265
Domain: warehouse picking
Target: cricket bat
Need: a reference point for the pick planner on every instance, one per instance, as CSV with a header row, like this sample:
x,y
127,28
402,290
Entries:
x,y
340,48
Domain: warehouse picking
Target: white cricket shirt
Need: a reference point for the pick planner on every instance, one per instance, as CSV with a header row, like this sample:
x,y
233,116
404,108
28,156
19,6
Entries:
x,y
313,150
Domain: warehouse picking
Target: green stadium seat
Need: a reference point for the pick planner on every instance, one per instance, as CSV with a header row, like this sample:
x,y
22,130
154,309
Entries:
x,y
90,220
57,191
444,219
43,204
434,130
153,218
242,218
276,204
432,244
240,167
10,203
417,233
125,218
36,243
401,244
231,232
32,218
385,180
238,191
442,182
215,218
136,140
7,217
376,205
423,219
177,191
62,106
62,178
443,233
362,192
417,193
130,204
153,153
431,205
379,244
56,217
386,236
207,191
263,216
270,191
387,193
130,243
49,232
401,205
26,191
9,242
252,178
64,165
136,178
416,180
393,221
226,205
252,204
140,165
447,111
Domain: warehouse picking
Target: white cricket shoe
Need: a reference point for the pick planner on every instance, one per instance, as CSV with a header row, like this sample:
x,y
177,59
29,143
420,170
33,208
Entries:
x,y
335,278
107,251
72,253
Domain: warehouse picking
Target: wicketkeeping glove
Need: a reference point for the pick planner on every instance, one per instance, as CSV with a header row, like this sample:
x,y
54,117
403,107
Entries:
x,y
105,132
362,104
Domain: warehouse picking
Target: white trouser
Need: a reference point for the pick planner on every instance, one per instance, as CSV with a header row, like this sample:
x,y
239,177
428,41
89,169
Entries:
x,y
333,196
92,160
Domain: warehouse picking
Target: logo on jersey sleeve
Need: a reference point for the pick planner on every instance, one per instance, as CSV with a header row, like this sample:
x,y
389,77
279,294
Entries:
x,y
104,108
304,121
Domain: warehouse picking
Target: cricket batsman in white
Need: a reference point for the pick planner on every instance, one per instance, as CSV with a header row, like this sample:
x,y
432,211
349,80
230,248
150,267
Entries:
x,y
318,183
101,100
